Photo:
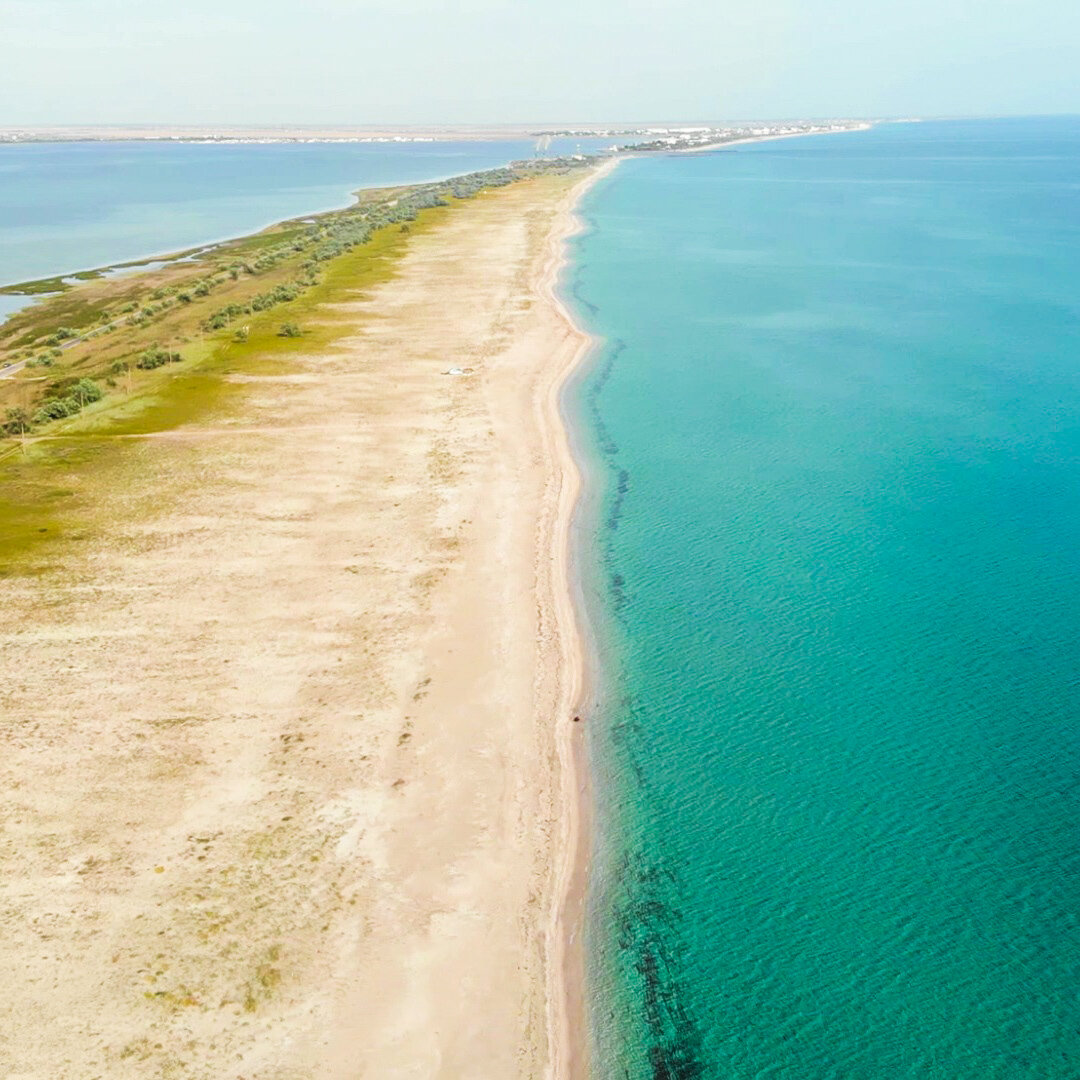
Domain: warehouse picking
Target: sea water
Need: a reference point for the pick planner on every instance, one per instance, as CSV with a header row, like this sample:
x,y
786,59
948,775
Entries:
x,y
70,206
830,551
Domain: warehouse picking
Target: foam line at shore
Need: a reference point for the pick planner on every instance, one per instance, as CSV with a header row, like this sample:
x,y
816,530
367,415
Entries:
x,y
565,969
567,1026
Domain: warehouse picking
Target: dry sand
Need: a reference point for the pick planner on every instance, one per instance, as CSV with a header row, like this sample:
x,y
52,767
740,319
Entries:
x,y
287,740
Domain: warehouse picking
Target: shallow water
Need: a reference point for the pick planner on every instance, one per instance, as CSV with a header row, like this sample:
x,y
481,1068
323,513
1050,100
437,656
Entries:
x,y
78,205
831,558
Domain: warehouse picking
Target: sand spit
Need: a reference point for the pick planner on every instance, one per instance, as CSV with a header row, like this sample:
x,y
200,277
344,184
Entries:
x,y
287,738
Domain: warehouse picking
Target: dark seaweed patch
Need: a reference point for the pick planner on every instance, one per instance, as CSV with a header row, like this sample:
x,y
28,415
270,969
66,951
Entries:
x,y
592,395
575,291
649,928
622,486
618,593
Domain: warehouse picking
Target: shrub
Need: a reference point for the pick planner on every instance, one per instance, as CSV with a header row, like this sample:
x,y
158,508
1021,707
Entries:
x,y
156,357
56,409
279,294
16,422
221,318
68,398
289,329
87,391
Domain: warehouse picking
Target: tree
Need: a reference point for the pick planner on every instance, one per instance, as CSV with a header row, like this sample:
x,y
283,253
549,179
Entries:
x,y
16,422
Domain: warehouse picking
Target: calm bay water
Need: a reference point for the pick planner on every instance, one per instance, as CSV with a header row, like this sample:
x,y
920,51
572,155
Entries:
x,y
74,206
831,555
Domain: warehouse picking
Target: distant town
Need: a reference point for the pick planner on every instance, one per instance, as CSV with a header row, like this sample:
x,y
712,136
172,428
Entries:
x,y
702,137
651,137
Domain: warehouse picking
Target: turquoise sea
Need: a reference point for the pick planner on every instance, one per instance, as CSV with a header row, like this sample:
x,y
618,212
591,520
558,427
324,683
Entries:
x,y
830,557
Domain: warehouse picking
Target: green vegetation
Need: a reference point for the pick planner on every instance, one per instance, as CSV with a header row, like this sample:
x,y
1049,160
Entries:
x,y
156,357
164,362
66,398
16,422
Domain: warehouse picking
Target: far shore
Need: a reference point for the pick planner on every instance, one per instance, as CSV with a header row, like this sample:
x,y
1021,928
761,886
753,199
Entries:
x,y
253,133
707,147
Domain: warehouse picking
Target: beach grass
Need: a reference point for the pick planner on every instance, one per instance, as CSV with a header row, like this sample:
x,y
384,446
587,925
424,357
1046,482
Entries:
x,y
46,474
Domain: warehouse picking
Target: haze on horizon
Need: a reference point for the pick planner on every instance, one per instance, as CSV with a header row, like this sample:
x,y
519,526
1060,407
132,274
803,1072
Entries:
x,y
498,61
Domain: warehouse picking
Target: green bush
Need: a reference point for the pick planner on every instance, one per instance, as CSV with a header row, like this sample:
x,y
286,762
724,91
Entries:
x,y
16,422
68,400
279,294
221,318
56,409
156,357
289,329
87,391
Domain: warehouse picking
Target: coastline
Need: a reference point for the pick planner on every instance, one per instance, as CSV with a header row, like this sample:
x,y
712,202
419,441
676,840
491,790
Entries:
x,y
769,138
567,1030
341,777
567,1022
351,196
518,725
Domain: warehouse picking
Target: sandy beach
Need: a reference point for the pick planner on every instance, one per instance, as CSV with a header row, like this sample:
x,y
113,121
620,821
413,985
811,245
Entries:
x,y
288,774
709,147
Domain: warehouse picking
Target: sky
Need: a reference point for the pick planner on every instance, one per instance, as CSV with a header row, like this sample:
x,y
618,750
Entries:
x,y
531,61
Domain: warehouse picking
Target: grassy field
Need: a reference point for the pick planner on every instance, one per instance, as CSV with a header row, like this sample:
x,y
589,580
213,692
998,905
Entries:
x,y
144,351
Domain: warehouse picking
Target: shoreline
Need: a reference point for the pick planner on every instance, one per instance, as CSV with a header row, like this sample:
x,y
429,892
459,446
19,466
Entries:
x,y
567,1018
567,1028
441,825
341,778
768,138
352,200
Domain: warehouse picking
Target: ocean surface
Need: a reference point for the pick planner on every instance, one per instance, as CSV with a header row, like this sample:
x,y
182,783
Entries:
x,y
79,205
830,555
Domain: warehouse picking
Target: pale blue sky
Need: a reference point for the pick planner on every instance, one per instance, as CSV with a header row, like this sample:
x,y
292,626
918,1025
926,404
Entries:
x,y
485,61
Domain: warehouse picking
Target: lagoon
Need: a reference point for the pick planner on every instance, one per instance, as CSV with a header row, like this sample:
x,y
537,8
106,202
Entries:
x,y
70,206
